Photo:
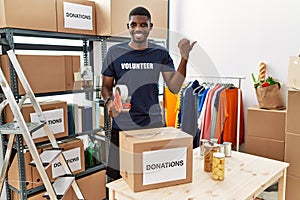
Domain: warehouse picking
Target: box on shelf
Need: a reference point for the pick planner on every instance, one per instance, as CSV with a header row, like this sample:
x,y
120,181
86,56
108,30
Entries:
x,y
112,16
30,14
268,124
13,172
55,112
269,148
74,153
46,73
76,16
293,111
39,196
92,186
154,158
292,148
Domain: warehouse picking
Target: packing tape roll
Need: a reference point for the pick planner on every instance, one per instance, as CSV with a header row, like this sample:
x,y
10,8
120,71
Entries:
x,y
123,90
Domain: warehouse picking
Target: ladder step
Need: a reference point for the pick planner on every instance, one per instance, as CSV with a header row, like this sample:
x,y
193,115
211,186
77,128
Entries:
x,y
48,156
13,128
61,186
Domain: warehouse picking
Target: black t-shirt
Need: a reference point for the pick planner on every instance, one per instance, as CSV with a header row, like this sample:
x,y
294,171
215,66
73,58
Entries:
x,y
139,70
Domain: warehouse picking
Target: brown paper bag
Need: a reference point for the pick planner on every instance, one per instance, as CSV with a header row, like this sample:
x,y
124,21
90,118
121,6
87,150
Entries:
x,y
269,97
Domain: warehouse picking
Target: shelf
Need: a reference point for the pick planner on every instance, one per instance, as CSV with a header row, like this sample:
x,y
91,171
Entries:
x,y
48,34
86,47
66,92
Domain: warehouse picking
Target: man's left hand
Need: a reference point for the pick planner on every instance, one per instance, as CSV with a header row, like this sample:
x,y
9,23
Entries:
x,y
185,46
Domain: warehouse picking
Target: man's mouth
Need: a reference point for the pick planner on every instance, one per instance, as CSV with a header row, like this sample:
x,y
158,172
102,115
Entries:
x,y
138,35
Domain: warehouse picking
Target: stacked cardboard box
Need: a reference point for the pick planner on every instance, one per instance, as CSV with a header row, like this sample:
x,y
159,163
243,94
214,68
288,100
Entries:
x,y
67,16
265,134
46,73
89,17
74,154
292,147
55,112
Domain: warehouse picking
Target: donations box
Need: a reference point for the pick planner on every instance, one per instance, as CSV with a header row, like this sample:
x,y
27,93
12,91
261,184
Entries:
x,y
154,158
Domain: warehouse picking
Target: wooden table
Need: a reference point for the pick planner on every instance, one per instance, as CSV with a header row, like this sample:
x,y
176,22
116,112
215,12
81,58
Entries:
x,y
246,176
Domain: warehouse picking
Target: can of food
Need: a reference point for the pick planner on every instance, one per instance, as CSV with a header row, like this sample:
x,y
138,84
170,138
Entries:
x,y
227,149
213,141
208,156
218,168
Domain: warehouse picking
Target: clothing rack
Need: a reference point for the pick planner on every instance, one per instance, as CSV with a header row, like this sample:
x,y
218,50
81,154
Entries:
x,y
239,79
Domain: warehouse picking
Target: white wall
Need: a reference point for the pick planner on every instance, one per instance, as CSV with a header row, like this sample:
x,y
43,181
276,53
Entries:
x,y
239,34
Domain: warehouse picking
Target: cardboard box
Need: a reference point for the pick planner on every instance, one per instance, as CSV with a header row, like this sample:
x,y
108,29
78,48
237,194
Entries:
x,y
293,71
293,112
112,16
73,151
46,73
269,148
269,124
58,124
13,172
76,16
31,14
292,188
292,147
154,158
93,186
39,196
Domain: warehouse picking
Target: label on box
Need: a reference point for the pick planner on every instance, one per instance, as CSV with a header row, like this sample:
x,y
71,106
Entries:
x,y
55,120
73,159
164,165
78,16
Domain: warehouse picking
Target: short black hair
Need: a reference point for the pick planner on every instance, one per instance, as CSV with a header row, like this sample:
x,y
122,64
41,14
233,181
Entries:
x,y
140,11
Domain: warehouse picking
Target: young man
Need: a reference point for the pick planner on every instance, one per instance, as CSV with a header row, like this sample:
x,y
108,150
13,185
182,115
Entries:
x,y
138,64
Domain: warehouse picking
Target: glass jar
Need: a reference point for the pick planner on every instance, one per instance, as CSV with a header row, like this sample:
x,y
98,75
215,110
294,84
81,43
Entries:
x,y
218,167
208,156
202,142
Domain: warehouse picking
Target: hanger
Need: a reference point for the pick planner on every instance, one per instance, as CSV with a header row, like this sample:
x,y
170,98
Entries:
x,y
198,89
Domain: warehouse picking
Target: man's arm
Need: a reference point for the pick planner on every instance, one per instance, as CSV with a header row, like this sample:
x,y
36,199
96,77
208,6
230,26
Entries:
x,y
174,80
107,86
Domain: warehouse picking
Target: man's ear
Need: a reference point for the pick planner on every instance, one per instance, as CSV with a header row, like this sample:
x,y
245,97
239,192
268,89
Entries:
x,y
127,25
151,25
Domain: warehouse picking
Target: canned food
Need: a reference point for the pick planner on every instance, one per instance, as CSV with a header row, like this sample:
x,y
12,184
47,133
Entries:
x,y
218,168
213,141
227,149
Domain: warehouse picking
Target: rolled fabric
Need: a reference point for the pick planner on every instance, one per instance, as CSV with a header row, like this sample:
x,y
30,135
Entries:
x,y
262,71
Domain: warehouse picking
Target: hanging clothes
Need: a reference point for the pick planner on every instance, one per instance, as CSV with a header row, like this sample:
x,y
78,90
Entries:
x,y
188,110
214,111
207,115
170,101
226,125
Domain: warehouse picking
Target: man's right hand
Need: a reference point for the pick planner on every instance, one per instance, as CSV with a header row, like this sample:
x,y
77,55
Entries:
x,y
112,111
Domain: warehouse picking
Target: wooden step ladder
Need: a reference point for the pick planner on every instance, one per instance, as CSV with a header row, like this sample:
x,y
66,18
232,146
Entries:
x,y
58,189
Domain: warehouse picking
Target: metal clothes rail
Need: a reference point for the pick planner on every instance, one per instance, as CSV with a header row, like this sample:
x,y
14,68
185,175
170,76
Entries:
x,y
239,79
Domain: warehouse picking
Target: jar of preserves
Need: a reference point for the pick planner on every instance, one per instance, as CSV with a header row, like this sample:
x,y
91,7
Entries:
x,y
218,166
209,150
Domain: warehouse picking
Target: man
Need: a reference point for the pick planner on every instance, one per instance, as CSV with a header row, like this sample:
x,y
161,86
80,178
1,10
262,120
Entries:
x,y
138,64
